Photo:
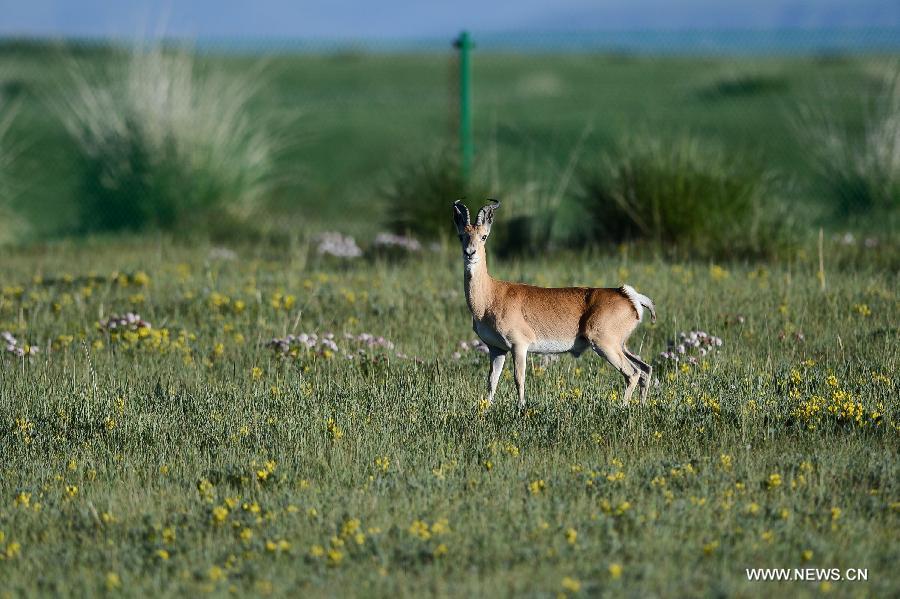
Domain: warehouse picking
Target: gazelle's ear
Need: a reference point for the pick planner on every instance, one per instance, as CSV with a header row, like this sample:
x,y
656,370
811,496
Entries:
x,y
460,216
486,214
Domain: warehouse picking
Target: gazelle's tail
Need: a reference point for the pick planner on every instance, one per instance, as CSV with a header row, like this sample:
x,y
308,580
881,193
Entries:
x,y
639,301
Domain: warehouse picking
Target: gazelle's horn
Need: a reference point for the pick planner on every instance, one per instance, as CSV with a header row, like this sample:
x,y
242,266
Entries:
x,y
462,207
486,214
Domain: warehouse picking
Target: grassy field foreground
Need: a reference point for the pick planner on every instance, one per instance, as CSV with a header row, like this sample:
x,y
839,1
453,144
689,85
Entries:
x,y
187,456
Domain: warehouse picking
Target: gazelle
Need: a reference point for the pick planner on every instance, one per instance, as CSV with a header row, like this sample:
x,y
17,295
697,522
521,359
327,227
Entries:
x,y
518,318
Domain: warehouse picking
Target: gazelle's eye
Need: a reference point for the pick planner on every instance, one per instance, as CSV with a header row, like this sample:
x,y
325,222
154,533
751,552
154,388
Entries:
x,y
483,237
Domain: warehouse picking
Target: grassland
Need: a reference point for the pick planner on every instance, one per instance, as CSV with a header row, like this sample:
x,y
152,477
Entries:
x,y
182,452
362,116
189,457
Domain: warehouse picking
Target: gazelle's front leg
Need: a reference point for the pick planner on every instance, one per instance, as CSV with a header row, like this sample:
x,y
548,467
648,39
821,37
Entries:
x,y
498,358
520,357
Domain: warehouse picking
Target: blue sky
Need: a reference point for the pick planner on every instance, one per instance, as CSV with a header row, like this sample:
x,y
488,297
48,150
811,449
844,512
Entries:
x,y
411,19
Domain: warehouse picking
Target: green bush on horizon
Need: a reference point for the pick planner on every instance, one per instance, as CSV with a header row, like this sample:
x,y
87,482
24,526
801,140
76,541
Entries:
x,y
166,145
10,225
742,83
422,190
859,171
686,195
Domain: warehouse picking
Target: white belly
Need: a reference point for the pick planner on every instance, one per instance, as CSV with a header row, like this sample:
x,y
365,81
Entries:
x,y
491,337
552,346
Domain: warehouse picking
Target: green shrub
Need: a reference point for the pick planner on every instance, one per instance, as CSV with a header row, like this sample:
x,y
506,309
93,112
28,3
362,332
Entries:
x,y
166,145
10,226
421,192
683,195
857,168
536,214
742,83
533,196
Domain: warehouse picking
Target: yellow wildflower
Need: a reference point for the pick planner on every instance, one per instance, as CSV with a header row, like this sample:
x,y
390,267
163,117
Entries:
x,y
441,526
334,557
571,584
13,550
420,529
168,534
334,430
220,513
113,581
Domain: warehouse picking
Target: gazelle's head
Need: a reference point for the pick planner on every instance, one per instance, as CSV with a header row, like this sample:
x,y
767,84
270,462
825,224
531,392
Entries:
x,y
472,237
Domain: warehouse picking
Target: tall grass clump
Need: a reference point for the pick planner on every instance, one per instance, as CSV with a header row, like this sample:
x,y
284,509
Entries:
x,y
857,167
166,144
686,195
533,194
420,193
537,215
10,226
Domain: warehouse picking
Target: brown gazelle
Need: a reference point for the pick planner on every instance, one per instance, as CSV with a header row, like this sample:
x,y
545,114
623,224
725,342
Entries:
x,y
518,318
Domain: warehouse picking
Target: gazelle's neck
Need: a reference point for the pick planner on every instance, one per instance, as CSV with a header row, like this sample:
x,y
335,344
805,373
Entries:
x,y
478,284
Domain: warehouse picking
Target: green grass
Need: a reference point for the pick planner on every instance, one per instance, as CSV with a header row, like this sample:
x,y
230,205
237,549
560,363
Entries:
x,y
364,115
125,449
190,457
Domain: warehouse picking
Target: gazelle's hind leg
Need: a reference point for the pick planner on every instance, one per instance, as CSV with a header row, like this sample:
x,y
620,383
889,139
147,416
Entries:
x,y
616,357
646,372
520,359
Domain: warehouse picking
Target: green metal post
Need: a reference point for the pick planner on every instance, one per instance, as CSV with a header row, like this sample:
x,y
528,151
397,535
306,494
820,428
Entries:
x,y
466,147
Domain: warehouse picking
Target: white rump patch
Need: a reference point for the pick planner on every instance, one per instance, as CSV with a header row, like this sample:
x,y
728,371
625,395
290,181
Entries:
x,y
635,299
